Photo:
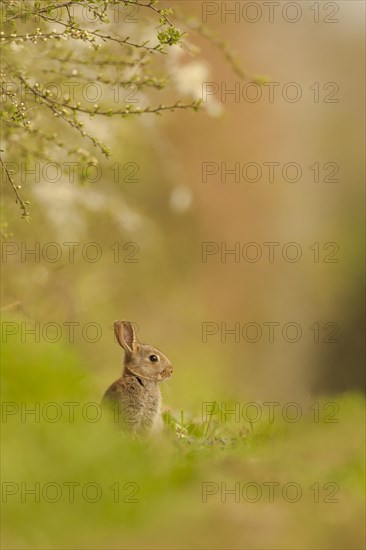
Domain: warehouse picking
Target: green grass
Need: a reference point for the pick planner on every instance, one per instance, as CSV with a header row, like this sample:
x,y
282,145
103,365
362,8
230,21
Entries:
x,y
162,481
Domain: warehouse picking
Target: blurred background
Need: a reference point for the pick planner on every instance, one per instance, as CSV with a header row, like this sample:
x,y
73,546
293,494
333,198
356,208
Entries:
x,y
171,294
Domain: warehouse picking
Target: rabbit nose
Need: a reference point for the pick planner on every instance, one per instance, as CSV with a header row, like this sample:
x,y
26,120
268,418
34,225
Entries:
x,y
168,370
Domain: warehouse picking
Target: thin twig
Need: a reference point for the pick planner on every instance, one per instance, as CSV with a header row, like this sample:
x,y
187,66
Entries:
x,y
77,108
15,189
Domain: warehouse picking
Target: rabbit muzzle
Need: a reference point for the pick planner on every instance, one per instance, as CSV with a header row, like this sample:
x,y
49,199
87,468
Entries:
x,y
166,373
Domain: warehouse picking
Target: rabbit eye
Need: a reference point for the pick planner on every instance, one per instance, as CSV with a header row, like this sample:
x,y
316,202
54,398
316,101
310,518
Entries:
x,y
153,358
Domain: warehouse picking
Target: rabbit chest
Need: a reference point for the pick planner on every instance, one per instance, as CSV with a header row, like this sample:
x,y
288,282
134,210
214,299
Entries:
x,y
150,404
140,400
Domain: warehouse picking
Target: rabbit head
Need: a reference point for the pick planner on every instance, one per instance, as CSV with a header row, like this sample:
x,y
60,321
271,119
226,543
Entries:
x,y
142,360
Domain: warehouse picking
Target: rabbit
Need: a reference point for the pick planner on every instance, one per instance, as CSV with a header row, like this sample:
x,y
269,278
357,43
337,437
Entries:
x,y
135,397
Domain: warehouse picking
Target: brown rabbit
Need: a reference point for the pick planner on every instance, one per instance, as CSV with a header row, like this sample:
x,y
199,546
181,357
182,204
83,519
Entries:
x,y
135,397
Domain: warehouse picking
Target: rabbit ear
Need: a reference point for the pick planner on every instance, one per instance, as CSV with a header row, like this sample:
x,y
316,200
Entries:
x,y
125,334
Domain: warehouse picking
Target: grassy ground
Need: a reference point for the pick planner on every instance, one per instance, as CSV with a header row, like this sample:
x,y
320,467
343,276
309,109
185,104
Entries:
x,y
204,483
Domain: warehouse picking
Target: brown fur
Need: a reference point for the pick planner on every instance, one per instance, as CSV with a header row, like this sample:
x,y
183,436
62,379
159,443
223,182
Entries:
x,y
135,397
